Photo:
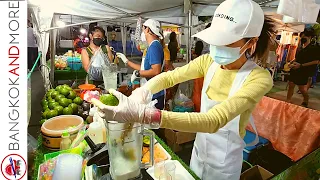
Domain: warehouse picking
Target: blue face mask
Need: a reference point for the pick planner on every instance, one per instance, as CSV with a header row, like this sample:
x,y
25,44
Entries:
x,y
225,55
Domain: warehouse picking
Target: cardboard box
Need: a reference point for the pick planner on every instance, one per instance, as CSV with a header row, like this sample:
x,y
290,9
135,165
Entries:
x,y
256,173
176,138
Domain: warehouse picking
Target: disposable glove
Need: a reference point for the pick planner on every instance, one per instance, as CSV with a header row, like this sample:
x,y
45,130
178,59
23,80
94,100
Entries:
x,y
133,76
142,95
129,111
122,57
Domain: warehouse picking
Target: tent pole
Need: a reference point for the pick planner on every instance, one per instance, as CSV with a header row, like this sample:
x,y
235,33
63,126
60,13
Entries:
x,y
189,36
124,38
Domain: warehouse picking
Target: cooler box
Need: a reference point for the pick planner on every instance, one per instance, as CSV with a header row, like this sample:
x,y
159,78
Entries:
x,y
249,137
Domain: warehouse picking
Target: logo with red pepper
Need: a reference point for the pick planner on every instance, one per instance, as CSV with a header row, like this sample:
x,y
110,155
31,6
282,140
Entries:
x,y
13,167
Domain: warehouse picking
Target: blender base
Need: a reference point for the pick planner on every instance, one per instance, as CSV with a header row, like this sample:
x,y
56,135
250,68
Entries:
x,y
108,177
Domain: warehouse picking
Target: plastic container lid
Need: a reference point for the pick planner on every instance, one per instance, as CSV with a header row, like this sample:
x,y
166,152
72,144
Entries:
x,y
86,86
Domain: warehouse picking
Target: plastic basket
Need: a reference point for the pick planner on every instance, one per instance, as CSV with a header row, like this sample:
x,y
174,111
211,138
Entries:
x,y
74,63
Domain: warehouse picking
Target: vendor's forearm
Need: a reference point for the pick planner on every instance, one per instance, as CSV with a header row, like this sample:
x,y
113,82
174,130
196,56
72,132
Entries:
x,y
310,63
134,65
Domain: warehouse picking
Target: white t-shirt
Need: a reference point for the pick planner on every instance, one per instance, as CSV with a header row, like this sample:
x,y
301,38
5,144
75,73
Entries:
x,y
31,38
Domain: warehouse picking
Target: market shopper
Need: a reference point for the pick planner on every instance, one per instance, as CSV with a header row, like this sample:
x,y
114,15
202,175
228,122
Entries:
x,y
173,46
97,38
152,64
303,67
233,86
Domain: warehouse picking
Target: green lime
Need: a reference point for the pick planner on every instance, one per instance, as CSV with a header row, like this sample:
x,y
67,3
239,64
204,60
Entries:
x,y
44,102
42,121
54,94
51,114
64,102
109,99
72,95
60,96
53,104
67,111
78,100
48,95
46,107
65,91
65,86
59,109
51,101
51,90
58,87
45,113
74,107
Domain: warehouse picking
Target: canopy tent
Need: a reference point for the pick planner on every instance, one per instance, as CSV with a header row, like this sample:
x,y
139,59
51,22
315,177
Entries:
x,y
178,12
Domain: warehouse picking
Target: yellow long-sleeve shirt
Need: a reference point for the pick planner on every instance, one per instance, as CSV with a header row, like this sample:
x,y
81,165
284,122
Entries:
x,y
257,84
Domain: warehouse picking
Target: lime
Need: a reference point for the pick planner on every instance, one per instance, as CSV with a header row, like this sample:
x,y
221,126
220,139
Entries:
x,y
42,121
72,95
51,90
53,104
44,102
146,140
65,86
64,102
59,109
67,111
109,99
48,95
60,96
46,107
51,113
51,101
69,101
65,91
54,94
78,100
44,114
58,88
74,107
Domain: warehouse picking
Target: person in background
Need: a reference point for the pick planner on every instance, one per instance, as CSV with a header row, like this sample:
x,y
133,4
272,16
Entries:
x,y
233,85
198,83
303,67
173,46
32,47
97,37
152,64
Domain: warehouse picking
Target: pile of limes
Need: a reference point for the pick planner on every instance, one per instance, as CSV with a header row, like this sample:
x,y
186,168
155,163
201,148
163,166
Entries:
x,y
62,100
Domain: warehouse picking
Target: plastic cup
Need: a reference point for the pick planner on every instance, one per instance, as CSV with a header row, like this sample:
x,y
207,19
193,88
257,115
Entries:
x,y
159,167
170,170
165,176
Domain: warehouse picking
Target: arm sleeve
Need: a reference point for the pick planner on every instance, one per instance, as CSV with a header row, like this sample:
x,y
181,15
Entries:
x,y
156,54
246,98
195,69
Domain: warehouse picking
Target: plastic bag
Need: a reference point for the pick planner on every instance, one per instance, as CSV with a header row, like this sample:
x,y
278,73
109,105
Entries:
x,y
182,100
97,62
32,143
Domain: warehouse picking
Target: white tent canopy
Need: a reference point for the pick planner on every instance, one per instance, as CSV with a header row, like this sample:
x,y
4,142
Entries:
x,y
169,11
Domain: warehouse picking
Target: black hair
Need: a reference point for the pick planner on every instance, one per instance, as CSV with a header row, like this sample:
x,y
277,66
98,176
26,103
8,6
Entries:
x,y
97,28
308,32
173,37
264,39
198,48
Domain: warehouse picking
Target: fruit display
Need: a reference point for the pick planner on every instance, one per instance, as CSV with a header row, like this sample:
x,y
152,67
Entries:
x,y
60,63
63,100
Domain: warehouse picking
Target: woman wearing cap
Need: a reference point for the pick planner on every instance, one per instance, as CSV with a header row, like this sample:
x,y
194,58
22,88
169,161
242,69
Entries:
x,y
233,85
152,64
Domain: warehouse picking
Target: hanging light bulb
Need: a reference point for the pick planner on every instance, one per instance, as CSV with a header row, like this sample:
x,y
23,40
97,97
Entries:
x,y
83,31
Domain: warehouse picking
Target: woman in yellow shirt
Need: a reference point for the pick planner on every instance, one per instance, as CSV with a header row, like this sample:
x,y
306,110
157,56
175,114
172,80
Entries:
x,y
233,85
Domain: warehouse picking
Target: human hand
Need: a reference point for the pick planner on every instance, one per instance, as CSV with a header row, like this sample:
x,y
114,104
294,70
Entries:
x,y
127,110
133,77
295,65
122,57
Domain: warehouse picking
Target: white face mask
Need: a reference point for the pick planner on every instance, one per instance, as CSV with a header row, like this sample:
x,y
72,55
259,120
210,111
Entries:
x,y
226,55
143,37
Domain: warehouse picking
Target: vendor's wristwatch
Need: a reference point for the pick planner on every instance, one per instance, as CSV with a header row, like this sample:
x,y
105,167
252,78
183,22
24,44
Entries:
x,y
137,73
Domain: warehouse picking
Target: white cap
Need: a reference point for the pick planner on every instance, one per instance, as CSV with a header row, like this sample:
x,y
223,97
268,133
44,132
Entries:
x,y
154,27
233,20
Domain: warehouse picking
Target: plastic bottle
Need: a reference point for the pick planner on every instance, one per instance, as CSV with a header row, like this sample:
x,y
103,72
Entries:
x,y
97,118
66,141
95,132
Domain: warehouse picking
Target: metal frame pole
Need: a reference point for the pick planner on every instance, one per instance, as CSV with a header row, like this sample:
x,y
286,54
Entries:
x,y
189,46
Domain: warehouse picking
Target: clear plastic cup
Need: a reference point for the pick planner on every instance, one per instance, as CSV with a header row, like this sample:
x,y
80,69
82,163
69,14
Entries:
x,y
165,176
159,167
170,169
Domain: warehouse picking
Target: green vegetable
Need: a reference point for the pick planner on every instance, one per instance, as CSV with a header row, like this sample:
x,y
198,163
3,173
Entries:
x,y
109,99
